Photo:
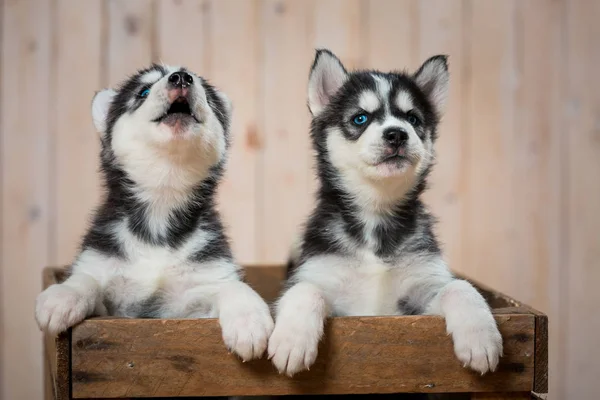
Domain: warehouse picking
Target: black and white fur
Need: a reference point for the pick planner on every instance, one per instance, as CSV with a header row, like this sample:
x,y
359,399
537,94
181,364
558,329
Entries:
x,y
156,247
368,247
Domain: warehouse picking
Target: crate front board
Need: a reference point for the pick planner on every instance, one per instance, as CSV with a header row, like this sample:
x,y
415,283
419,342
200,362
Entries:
x,y
152,358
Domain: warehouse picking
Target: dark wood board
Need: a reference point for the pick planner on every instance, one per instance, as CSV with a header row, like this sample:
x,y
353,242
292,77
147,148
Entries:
x,y
160,358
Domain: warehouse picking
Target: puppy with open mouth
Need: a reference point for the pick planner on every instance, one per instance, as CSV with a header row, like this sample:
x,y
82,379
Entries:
x,y
368,247
156,247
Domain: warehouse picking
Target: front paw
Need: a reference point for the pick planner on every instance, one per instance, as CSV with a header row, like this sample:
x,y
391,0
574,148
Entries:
x,y
293,346
246,328
477,343
58,308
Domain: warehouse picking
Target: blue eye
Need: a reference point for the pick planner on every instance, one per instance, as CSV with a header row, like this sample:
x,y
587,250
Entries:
x,y
145,93
360,119
413,120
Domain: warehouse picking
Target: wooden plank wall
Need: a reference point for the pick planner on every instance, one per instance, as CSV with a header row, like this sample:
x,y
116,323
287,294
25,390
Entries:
x,y
516,187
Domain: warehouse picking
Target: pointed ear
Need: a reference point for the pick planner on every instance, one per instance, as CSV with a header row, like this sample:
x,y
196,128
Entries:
x,y
327,75
100,106
433,79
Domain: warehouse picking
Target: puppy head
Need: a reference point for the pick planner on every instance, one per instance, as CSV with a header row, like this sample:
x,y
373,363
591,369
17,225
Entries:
x,y
373,126
163,122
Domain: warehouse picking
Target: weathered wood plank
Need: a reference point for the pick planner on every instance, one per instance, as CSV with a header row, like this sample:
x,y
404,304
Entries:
x,y
57,349
25,147
77,148
234,65
338,26
191,19
58,358
359,355
130,38
441,30
502,396
285,197
539,161
391,34
488,226
540,380
580,271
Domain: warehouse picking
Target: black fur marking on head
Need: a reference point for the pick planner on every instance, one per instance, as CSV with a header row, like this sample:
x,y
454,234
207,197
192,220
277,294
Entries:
x,y
217,105
407,226
121,203
127,90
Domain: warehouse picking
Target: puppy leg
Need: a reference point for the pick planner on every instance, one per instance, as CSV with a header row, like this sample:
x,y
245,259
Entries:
x,y
63,305
245,320
477,341
301,314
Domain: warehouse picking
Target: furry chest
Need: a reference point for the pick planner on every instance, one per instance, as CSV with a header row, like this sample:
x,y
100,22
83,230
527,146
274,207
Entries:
x,y
367,290
356,288
143,279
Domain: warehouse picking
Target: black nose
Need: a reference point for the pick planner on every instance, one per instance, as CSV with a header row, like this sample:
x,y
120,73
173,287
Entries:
x,y
181,79
395,136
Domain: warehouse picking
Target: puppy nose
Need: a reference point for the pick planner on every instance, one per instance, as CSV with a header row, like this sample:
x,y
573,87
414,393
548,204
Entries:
x,y
395,136
181,79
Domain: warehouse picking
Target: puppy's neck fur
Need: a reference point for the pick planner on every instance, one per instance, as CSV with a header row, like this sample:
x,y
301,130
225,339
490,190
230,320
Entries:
x,y
377,196
164,195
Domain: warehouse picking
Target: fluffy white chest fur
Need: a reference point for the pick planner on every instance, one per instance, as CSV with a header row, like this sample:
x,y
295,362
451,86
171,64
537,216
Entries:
x,y
151,272
365,284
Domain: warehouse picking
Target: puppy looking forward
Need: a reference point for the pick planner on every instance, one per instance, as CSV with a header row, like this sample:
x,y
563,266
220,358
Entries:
x,y
368,247
156,247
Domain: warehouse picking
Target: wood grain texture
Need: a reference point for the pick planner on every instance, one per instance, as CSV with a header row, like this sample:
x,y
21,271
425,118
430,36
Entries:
x,y
441,31
26,90
57,349
540,380
502,396
391,34
130,38
234,66
57,357
338,26
359,355
539,161
490,146
517,59
188,44
285,198
581,270
77,144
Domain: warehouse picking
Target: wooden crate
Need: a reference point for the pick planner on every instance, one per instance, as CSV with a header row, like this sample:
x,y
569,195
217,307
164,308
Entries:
x,y
134,358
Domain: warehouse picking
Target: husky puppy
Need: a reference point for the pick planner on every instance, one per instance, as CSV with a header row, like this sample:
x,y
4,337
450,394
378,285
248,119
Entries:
x,y
156,247
368,247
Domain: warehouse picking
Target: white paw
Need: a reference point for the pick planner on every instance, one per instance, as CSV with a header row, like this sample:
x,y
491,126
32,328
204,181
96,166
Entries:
x,y
477,343
58,308
246,328
293,346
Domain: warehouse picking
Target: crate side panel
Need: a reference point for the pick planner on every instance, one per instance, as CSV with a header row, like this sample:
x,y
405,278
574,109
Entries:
x,y
160,358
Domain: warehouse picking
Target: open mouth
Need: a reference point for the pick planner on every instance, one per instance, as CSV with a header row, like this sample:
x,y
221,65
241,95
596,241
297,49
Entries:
x,y
179,110
180,106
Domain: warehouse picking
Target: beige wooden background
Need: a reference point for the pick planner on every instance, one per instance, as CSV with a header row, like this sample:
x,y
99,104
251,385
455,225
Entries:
x,y
517,188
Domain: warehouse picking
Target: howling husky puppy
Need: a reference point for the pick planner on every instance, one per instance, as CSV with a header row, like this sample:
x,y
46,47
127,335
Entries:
x,y
156,248
368,248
